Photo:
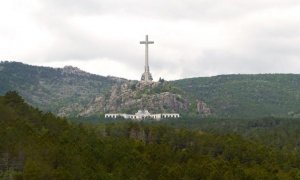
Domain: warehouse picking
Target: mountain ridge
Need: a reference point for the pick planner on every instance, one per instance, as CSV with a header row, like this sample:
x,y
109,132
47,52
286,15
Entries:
x,y
70,91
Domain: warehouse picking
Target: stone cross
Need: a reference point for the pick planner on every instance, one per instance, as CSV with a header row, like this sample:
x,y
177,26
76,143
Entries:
x,y
146,75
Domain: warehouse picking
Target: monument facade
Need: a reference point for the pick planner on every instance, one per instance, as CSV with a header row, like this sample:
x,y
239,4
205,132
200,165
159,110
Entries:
x,y
142,114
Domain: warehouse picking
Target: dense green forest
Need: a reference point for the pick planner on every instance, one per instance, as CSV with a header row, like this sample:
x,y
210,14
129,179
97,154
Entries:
x,y
281,133
37,145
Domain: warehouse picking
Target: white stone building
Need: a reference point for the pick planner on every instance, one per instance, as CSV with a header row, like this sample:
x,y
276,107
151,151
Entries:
x,y
142,114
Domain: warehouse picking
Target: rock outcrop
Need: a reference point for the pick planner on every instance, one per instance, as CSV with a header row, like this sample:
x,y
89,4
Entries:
x,y
132,96
202,108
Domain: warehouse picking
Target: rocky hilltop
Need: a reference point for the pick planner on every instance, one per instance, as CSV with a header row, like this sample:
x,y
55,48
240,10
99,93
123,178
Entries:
x,y
132,96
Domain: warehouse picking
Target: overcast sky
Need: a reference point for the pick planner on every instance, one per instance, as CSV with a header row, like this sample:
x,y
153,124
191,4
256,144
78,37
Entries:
x,y
192,37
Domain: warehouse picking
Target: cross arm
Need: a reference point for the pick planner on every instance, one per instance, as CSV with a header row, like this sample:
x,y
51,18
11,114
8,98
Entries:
x,y
146,42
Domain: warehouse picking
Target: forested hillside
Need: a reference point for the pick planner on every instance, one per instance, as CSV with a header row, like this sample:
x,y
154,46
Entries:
x,y
246,96
37,145
63,91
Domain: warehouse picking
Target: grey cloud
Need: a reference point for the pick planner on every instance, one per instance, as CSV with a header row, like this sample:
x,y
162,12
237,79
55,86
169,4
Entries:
x,y
269,58
267,49
73,44
169,9
71,7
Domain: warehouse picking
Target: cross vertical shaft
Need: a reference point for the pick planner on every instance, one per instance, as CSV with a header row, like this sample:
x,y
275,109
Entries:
x,y
146,55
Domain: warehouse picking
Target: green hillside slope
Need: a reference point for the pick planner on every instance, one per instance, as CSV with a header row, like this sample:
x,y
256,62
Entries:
x,y
246,95
63,91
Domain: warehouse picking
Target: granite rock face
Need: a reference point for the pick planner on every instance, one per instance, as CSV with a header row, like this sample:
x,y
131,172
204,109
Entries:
x,y
202,108
132,96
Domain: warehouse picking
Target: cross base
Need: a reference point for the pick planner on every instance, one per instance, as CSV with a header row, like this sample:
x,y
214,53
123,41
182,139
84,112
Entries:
x,y
147,77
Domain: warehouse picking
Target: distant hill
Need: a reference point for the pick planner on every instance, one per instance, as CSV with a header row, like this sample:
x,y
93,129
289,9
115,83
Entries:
x,y
71,92
61,90
246,95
